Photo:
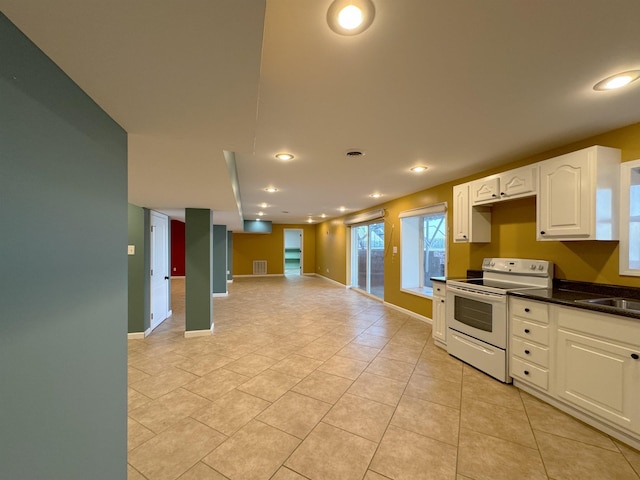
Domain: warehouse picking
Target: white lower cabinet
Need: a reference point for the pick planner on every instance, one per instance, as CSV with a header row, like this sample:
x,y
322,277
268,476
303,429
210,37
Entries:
x,y
599,366
529,342
585,363
439,328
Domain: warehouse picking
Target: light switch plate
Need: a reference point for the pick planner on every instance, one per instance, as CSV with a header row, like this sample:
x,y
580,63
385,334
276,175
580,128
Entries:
x,y
131,249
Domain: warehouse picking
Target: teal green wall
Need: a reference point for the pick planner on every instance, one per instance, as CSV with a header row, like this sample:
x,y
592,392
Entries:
x,y
198,266
63,326
139,265
230,255
219,271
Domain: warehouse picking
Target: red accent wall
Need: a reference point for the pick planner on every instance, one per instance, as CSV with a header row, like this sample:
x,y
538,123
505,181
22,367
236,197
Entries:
x,y
177,248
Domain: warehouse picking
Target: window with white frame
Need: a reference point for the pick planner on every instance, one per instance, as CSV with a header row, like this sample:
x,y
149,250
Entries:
x,y
423,247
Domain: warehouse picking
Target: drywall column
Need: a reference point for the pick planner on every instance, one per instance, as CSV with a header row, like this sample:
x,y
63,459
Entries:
x,y
198,267
63,326
139,266
229,256
219,273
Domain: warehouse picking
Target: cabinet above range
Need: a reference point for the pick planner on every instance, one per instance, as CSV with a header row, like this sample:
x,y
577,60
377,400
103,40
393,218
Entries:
x,y
516,183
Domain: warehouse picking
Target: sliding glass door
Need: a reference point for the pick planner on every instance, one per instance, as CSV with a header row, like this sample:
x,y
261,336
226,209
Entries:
x,y
367,258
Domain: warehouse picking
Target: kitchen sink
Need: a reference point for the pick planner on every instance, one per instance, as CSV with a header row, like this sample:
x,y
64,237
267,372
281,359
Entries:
x,y
616,302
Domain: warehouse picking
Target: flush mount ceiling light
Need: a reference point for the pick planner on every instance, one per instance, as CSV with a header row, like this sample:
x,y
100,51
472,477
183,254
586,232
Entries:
x,y
350,17
264,205
355,153
343,209
375,195
261,213
284,156
271,189
418,169
617,81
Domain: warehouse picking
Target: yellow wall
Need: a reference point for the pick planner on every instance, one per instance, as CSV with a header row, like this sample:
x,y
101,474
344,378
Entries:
x,y
248,247
513,233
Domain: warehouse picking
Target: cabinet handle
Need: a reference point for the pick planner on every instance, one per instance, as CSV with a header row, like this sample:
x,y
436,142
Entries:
x,y
542,232
526,352
493,195
526,372
526,330
464,236
635,356
527,310
441,301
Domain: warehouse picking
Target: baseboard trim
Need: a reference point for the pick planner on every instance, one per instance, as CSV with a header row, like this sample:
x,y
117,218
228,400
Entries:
x,y
218,295
139,335
258,276
230,281
177,276
409,312
198,333
331,280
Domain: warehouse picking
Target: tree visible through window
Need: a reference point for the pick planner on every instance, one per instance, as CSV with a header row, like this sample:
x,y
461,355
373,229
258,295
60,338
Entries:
x,y
423,241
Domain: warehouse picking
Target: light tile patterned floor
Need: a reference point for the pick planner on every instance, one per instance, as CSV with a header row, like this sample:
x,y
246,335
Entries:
x,y
304,379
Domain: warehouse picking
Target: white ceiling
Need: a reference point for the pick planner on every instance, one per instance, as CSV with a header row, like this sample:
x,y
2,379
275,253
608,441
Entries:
x,y
457,85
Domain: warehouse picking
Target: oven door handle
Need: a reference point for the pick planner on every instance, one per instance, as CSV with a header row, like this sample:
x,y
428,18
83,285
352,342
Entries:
x,y
482,297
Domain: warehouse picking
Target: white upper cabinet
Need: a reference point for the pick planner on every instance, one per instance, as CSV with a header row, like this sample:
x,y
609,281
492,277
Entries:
x,y
470,224
578,195
516,183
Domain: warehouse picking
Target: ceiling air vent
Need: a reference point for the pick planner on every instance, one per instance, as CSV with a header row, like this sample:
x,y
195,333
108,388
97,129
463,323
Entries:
x,y
354,153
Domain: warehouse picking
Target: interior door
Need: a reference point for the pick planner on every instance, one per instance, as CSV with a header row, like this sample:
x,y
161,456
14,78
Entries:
x,y
293,251
159,268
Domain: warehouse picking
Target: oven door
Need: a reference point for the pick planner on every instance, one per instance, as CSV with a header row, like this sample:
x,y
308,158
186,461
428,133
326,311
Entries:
x,y
481,315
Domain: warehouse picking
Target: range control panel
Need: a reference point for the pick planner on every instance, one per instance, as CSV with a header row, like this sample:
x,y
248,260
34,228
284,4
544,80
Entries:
x,y
521,266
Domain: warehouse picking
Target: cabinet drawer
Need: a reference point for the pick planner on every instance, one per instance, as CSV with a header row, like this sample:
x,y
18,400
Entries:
x,y
529,373
529,309
439,289
534,332
530,352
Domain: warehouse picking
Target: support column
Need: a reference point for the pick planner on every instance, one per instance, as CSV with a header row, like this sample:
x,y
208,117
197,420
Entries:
x,y
219,274
198,267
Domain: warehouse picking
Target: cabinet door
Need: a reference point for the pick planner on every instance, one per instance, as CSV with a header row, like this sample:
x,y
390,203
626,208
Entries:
x,y
461,213
439,319
518,182
564,200
600,377
485,190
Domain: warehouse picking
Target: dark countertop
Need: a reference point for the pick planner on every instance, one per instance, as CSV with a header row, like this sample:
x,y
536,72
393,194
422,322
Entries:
x,y
566,293
438,279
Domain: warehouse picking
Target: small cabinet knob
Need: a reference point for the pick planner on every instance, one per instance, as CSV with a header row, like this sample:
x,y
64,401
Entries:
x,y
441,301
527,352
635,356
526,330
526,372
502,193
542,232
527,310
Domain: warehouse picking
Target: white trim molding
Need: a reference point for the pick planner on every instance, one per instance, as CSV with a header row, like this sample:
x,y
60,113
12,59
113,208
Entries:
x,y
218,295
410,313
198,333
139,335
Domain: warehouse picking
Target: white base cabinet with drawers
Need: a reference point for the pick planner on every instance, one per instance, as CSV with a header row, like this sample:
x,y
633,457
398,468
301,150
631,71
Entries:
x,y
584,363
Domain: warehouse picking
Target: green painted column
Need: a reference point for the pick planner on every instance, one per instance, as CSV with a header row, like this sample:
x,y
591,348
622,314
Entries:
x,y
198,267
139,266
229,256
219,273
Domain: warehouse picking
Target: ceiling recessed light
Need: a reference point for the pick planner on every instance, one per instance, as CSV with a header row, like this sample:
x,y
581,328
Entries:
x,y
350,17
310,220
264,205
261,213
324,215
375,195
343,209
418,169
617,81
271,189
284,156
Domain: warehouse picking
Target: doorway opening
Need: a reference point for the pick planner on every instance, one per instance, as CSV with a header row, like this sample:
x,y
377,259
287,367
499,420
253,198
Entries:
x,y
293,251
367,258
